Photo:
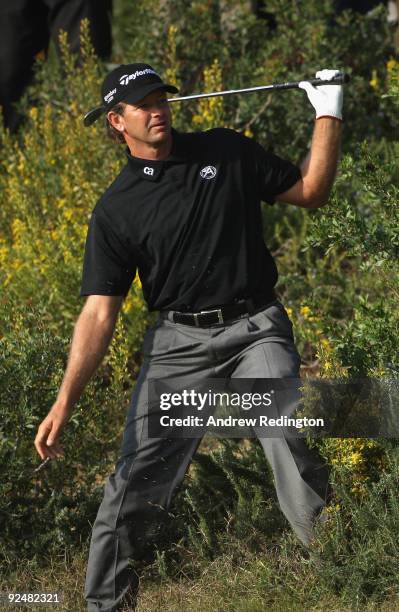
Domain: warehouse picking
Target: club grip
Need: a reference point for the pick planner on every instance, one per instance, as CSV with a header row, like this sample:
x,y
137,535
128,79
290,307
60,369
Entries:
x,y
339,79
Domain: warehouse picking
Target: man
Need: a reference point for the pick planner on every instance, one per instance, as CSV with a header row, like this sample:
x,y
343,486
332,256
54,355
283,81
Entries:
x,y
185,211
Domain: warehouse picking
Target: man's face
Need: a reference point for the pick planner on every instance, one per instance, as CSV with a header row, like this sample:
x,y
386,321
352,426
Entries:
x,y
148,121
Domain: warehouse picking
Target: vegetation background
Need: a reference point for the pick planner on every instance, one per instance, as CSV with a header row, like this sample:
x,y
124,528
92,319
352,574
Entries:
x,y
229,547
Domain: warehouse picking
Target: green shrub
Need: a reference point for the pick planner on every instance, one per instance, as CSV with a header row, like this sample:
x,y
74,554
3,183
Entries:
x,y
52,508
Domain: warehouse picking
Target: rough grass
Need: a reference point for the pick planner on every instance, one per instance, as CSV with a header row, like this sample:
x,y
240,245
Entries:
x,y
353,566
277,580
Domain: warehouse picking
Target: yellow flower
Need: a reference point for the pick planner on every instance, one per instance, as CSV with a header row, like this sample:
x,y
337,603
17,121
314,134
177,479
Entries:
x,y
211,109
374,80
127,305
333,509
378,372
17,264
18,228
305,311
68,214
4,253
248,133
392,64
355,458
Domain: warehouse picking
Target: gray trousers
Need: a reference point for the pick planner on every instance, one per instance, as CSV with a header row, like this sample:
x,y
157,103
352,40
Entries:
x,y
138,494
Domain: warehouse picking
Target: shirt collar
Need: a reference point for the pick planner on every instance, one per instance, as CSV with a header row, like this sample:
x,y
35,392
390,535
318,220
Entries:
x,y
150,169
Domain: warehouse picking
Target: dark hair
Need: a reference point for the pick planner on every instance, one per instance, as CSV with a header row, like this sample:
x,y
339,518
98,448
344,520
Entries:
x,y
113,133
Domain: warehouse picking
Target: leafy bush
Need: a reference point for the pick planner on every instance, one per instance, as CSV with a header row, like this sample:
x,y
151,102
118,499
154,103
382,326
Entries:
x,y
54,507
359,550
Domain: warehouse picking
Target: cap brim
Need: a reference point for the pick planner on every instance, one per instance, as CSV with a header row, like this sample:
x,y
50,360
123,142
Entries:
x,y
93,115
135,97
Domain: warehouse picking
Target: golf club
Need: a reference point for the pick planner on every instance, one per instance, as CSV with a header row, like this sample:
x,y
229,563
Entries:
x,y
339,79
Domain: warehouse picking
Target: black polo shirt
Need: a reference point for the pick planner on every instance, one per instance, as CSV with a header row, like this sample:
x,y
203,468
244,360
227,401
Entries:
x,y
190,224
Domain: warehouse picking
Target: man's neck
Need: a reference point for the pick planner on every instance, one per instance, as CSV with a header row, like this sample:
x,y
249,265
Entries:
x,y
144,150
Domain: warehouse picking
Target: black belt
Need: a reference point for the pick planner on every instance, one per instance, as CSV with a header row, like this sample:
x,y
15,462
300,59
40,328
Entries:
x,y
205,318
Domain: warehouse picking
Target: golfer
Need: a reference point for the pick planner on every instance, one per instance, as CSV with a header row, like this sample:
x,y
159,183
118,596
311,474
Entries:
x,y
185,211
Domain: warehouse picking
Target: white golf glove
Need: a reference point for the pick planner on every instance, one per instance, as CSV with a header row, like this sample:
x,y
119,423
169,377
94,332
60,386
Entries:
x,y
326,99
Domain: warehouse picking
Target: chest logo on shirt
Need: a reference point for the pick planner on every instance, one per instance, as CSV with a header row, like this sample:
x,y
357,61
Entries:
x,y
148,170
208,172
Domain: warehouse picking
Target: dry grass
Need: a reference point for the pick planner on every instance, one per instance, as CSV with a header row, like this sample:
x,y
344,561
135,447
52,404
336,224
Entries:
x,y
256,586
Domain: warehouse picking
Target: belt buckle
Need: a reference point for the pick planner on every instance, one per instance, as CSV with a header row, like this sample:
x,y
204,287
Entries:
x,y
217,310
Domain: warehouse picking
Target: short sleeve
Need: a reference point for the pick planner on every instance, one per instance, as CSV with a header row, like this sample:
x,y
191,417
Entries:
x,y
274,175
107,266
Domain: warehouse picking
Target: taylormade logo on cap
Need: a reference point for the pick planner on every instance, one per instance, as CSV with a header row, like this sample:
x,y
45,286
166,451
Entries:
x,y
124,79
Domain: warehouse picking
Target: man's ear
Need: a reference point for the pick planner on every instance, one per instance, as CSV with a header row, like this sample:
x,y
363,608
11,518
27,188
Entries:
x,y
116,121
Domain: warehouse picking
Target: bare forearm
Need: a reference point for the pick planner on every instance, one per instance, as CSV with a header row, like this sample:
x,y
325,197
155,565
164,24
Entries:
x,y
91,338
320,165
92,335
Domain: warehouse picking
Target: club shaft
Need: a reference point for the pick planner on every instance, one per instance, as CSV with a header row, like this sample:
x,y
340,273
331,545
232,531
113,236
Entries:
x,y
338,80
